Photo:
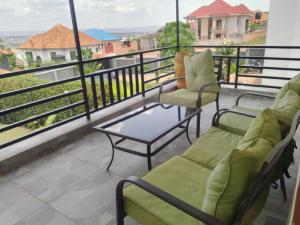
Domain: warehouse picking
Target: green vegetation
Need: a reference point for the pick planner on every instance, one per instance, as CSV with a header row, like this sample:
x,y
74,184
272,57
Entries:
x,y
12,59
168,38
16,83
255,27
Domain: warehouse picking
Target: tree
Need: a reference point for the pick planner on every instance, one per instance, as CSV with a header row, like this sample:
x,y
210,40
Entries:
x,y
12,60
167,37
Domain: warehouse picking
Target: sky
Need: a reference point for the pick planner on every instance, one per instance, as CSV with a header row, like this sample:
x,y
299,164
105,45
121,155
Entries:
x,y
30,15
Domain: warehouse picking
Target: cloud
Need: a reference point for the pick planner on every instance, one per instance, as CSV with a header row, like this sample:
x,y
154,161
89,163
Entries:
x,y
42,14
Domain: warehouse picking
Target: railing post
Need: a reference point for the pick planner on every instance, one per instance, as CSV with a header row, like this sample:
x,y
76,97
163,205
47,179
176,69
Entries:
x,y
237,67
142,73
177,26
80,60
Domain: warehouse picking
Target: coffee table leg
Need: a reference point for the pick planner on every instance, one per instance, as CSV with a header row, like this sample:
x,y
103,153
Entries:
x,y
113,152
149,157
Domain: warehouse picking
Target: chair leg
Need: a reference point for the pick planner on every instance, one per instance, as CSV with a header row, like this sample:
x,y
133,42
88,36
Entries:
x,y
283,188
198,125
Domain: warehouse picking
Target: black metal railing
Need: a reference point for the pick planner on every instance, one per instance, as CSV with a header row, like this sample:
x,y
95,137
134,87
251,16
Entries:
x,y
111,86
104,88
236,59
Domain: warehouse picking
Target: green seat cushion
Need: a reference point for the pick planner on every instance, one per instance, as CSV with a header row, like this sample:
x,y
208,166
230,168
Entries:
x,y
265,126
238,124
229,182
199,70
212,147
187,98
285,107
178,176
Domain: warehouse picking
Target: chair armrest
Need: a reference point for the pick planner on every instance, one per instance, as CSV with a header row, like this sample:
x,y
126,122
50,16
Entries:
x,y
218,115
168,198
168,81
252,94
204,87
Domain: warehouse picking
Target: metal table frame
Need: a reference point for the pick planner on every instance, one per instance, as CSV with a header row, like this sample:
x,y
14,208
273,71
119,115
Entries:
x,y
183,125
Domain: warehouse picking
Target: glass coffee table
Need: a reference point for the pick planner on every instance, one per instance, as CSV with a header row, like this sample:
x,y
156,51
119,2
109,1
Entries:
x,y
147,125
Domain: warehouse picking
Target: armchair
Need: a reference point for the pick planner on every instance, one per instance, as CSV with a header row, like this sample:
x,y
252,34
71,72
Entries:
x,y
202,86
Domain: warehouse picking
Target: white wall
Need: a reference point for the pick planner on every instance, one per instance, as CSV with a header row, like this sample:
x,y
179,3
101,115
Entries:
x,y
45,53
283,29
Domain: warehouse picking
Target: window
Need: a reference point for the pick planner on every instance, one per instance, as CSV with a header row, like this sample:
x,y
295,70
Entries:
x,y
53,55
218,35
219,24
258,15
29,55
127,44
73,55
97,49
247,25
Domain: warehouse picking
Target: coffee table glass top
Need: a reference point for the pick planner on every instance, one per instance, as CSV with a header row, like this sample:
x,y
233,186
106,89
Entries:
x,y
148,123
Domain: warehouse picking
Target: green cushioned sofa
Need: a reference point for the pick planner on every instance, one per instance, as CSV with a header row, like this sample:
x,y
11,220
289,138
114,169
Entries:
x,y
223,178
285,105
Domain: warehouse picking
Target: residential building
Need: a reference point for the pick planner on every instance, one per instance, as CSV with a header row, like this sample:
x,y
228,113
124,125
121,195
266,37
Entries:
x,y
112,44
260,17
218,21
147,42
57,44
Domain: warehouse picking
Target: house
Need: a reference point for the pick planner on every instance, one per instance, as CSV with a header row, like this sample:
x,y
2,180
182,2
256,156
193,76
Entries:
x,y
218,21
57,44
260,17
148,42
112,44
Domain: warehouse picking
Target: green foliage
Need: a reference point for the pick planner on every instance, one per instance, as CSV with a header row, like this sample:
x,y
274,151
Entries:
x,y
24,81
168,38
87,54
15,83
92,67
12,60
30,62
226,51
255,27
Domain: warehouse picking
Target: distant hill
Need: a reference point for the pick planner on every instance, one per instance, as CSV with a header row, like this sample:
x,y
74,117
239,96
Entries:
x,y
126,30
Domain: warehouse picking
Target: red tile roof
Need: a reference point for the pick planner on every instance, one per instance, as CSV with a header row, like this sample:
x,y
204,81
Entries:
x,y
57,37
220,8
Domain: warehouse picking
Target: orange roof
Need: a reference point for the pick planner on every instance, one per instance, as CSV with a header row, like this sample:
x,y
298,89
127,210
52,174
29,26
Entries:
x,y
57,37
6,52
220,8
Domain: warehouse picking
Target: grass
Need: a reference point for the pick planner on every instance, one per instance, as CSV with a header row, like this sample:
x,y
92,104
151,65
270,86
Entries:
x,y
13,134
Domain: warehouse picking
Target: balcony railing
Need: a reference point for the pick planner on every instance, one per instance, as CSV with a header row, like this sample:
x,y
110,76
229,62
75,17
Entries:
x,y
111,86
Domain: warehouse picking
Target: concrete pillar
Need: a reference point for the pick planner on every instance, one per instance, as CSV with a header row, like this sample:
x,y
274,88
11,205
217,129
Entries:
x,y
283,29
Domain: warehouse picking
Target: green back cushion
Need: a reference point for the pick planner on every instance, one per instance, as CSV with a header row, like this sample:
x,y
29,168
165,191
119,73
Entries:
x,y
199,70
285,107
263,126
294,84
229,181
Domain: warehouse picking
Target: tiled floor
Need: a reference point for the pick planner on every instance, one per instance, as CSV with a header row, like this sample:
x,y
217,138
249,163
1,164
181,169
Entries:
x,y
70,186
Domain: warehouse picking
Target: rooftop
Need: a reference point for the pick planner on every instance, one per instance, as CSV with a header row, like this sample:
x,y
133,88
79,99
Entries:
x,y
69,186
102,35
58,37
220,8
